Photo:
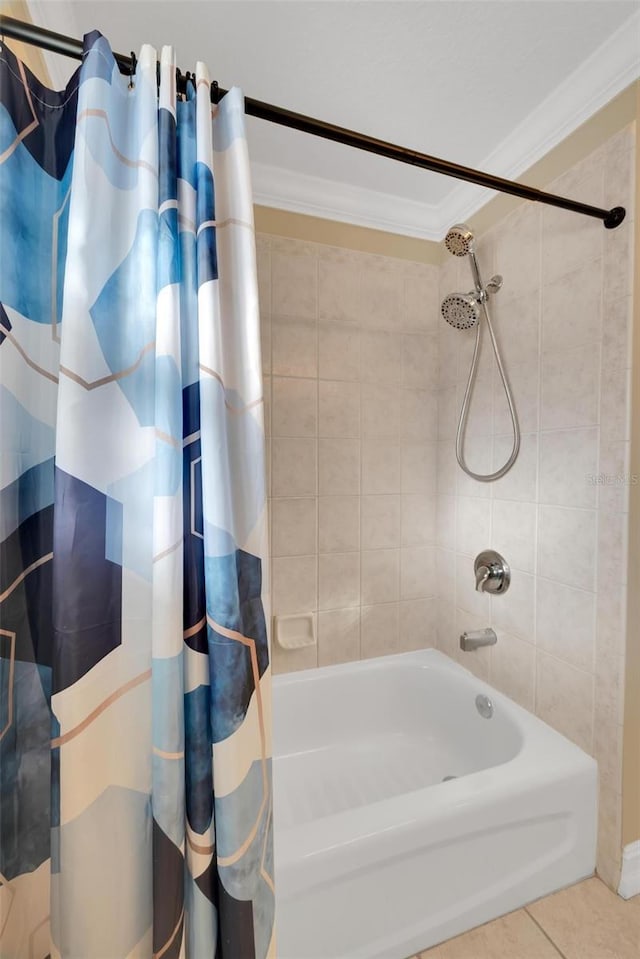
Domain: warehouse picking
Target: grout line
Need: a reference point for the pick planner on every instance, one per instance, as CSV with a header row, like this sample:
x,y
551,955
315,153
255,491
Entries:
x,y
545,933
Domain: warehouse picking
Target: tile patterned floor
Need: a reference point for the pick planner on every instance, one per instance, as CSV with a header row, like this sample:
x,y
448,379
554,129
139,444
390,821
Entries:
x,y
586,921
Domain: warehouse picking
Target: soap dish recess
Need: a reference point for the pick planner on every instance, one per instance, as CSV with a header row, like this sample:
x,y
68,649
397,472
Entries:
x,y
295,631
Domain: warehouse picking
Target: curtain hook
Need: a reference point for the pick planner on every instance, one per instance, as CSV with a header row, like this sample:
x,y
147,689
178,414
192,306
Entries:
x,y
132,70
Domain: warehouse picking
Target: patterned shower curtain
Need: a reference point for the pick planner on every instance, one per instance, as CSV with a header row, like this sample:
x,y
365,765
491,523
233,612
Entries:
x,y
135,744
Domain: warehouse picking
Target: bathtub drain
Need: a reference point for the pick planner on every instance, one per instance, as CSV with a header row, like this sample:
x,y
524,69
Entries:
x,y
447,778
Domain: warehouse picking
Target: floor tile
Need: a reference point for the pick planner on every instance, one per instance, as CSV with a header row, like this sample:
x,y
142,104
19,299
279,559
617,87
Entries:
x,y
515,936
588,921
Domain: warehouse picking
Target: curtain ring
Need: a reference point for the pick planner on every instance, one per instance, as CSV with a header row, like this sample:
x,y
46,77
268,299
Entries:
x,y
132,70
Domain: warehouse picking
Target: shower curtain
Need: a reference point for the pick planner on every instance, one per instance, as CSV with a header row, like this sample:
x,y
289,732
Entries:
x,y
135,774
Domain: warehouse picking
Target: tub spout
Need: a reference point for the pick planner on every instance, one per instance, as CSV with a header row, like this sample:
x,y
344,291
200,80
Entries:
x,y
476,638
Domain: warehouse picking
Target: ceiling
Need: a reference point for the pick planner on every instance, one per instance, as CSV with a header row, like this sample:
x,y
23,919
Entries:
x,y
492,84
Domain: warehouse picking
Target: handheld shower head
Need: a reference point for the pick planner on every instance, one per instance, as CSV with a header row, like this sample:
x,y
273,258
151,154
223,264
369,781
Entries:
x,y
459,240
461,310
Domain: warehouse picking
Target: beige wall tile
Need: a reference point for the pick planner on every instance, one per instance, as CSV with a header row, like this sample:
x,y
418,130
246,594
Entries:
x,y
524,380
516,322
417,572
419,416
446,521
380,630
294,348
418,519
381,303
338,353
417,624
568,465
607,750
448,413
566,623
566,545
514,611
448,348
339,292
572,309
419,468
294,285
339,524
521,481
618,264
339,408
338,580
615,407
564,699
263,262
477,452
513,668
609,673
518,239
480,415
447,468
294,584
265,342
473,520
616,333
569,241
295,407
513,533
380,576
380,519
339,466
380,358
294,466
570,388
338,636
421,307
380,410
293,527
420,362
466,595
292,660
381,464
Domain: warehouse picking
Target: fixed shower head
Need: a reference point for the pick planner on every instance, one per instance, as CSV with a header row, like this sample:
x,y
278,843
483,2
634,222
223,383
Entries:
x,y
461,310
459,240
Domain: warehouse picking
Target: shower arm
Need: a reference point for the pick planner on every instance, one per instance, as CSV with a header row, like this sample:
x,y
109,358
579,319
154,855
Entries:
x,y
67,46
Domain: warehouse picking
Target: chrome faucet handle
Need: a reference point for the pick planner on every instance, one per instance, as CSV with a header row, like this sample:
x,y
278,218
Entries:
x,y
482,575
492,572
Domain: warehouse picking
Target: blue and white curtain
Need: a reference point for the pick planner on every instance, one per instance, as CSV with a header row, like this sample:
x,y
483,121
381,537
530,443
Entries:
x,y
135,743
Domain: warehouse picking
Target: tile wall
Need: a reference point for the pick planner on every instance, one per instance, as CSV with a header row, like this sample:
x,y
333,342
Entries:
x,y
374,527
350,363
559,517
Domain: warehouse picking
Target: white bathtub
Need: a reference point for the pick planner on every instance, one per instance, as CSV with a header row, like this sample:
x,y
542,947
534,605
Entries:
x,y
376,856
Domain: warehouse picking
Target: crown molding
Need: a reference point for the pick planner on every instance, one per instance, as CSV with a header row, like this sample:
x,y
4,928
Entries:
x,y
333,200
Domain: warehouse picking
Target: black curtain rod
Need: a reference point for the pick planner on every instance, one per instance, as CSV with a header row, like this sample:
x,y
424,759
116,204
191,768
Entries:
x,y
57,43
